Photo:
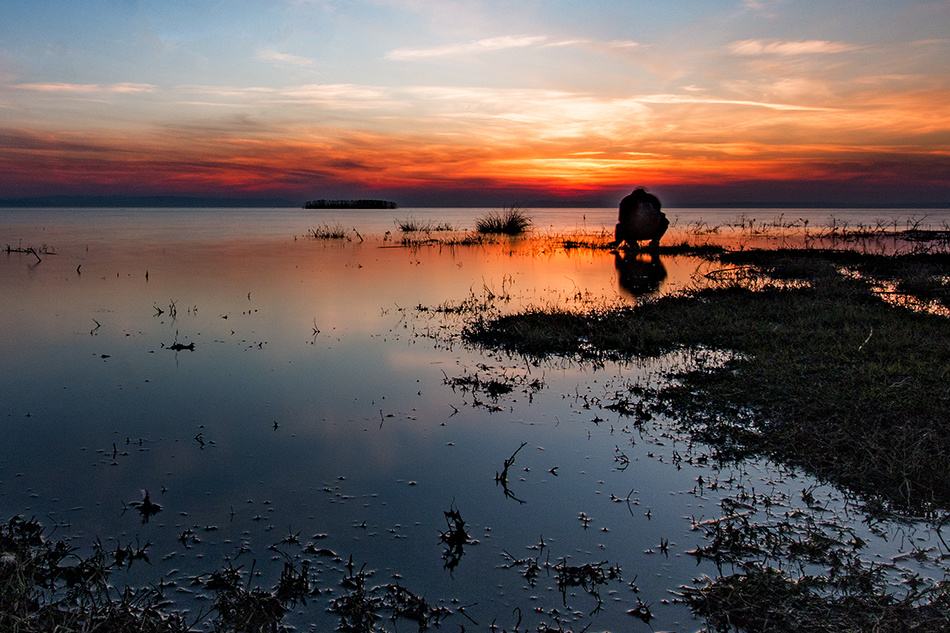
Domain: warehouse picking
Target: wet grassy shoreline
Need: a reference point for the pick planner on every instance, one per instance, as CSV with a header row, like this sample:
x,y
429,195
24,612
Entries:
x,y
825,361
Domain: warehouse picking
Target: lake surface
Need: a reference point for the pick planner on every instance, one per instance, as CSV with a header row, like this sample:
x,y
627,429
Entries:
x,y
280,395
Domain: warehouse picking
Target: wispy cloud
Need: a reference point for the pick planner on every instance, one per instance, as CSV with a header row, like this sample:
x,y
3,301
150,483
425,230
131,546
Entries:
x,y
684,99
87,89
464,48
282,58
789,48
345,96
501,43
594,43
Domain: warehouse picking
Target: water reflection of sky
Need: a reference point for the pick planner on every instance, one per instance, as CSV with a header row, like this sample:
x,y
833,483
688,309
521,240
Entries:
x,y
315,401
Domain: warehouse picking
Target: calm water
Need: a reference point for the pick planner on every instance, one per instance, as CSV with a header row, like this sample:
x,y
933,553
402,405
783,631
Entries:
x,y
317,408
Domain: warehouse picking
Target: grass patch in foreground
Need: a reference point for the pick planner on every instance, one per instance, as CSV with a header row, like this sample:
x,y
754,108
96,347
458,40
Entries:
x,y
825,376
765,599
46,586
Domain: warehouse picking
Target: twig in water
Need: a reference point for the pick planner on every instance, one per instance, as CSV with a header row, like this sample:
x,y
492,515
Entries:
x,y
502,477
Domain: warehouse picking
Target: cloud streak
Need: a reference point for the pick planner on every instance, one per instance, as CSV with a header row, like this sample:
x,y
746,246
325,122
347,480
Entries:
x,y
87,89
283,58
789,48
500,43
478,46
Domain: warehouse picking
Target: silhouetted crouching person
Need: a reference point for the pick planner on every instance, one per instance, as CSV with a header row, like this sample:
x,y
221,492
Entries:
x,y
640,219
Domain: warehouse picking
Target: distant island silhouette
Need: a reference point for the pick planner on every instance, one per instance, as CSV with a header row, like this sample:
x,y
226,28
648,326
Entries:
x,y
349,204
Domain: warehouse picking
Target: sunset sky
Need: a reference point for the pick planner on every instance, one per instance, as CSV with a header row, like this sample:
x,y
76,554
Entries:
x,y
479,102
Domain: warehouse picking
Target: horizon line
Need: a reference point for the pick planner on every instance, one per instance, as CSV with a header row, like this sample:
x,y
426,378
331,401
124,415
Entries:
x,y
184,201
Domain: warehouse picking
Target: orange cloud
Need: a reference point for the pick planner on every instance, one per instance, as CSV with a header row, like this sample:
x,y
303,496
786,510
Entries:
x,y
305,138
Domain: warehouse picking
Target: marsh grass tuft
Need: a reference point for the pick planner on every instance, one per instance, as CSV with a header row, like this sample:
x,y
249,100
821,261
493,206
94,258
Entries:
x,y
767,600
411,225
32,250
512,220
329,232
46,585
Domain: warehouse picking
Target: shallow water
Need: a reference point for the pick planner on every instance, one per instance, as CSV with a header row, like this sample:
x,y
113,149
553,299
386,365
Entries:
x,y
319,405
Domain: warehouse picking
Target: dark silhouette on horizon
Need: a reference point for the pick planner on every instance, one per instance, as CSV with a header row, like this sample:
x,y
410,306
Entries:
x,y
349,204
640,219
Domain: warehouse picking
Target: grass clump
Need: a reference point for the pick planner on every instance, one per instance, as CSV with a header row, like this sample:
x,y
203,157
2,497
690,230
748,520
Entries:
x,y
328,232
411,225
511,220
768,600
46,586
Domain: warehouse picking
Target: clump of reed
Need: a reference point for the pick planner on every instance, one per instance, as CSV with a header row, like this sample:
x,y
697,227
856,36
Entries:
x,y
512,220
47,586
765,599
35,251
329,232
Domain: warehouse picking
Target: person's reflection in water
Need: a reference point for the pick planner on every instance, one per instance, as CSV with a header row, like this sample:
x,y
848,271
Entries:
x,y
640,274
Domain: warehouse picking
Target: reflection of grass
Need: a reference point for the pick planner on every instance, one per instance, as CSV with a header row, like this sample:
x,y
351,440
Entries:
x,y
512,220
805,571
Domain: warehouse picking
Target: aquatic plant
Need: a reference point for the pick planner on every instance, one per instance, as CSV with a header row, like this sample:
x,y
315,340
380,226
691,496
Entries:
x,y
455,538
329,232
33,250
46,585
501,479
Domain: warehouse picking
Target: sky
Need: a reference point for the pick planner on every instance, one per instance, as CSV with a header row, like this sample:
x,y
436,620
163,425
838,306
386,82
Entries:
x,y
479,102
